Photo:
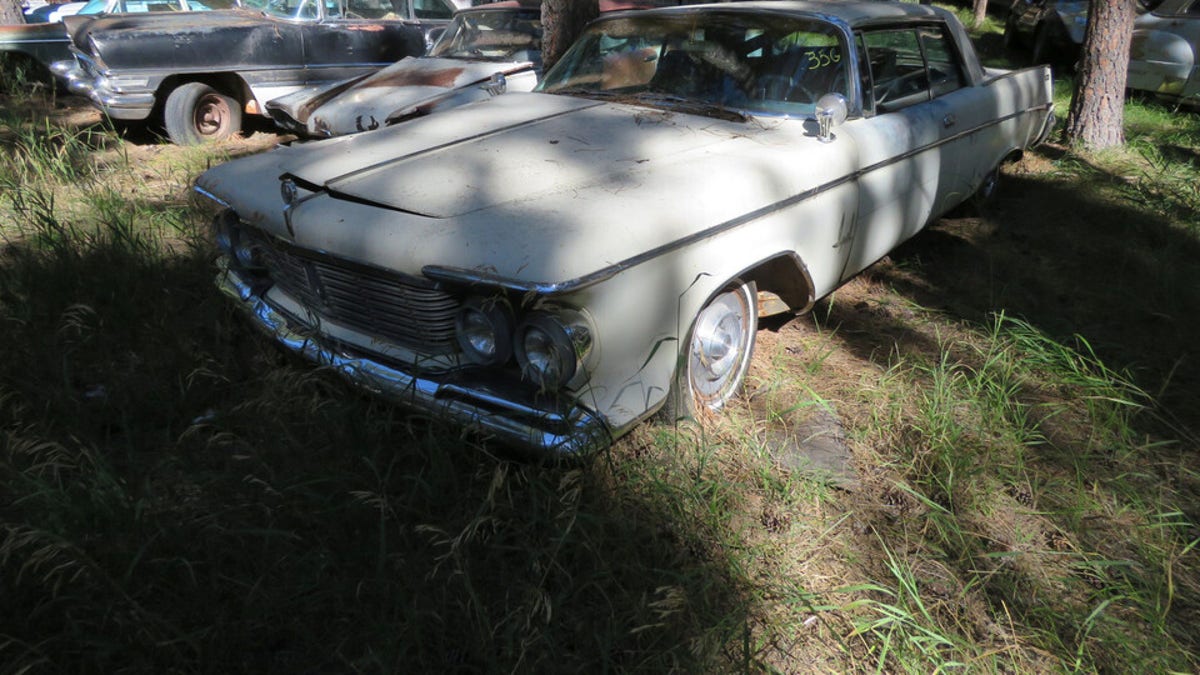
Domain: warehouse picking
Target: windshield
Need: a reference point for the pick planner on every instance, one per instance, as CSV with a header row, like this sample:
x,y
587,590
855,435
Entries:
x,y
492,35
135,6
310,10
732,60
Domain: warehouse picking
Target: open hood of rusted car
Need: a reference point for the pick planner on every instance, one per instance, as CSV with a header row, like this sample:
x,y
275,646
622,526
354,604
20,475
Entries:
x,y
402,89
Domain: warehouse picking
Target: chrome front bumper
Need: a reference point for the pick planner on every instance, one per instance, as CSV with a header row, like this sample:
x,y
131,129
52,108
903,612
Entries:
x,y
575,433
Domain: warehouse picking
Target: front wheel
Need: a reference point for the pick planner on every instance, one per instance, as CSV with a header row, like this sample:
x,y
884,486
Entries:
x,y
717,355
196,113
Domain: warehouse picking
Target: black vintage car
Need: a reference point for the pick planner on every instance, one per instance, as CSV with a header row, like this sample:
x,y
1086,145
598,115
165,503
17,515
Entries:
x,y
197,73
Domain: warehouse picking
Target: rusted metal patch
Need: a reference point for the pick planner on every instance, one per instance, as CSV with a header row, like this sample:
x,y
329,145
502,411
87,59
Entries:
x,y
442,77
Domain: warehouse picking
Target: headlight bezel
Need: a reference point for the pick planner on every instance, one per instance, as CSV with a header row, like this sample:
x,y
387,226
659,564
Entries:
x,y
495,314
568,342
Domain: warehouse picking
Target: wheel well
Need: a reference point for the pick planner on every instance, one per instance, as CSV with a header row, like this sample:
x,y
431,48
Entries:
x,y
786,277
226,83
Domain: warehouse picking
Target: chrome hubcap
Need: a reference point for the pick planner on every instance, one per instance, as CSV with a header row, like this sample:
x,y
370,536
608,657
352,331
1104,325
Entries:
x,y
720,342
211,115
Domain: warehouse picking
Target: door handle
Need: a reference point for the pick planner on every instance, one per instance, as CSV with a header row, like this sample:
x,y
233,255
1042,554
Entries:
x,y
949,120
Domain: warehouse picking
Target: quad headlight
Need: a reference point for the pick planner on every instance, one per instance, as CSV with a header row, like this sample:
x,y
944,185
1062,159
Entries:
x,y
550,344
551,348
225,231
484,330
247,254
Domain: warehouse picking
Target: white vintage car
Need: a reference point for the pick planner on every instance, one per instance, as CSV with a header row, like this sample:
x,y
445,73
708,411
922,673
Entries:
x,y
552,268
1163,51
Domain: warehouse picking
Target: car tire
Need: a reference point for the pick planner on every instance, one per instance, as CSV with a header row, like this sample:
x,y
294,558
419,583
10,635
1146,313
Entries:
x,y
988,188
197,113
713,363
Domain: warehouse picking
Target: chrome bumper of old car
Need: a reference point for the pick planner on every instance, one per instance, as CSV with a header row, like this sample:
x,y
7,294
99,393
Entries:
x,y
115,104
574,433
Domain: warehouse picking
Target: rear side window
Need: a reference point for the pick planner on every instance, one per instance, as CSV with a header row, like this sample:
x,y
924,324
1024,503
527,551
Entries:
x,y
910,65
432,9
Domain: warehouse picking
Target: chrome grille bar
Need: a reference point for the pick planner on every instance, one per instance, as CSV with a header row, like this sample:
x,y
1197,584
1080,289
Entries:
x,y
381,304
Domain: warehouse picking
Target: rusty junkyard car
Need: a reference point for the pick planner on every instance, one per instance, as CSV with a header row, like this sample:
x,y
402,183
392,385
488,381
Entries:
x,y
45,43
484,51
489,50
553,267
197,73
1164,49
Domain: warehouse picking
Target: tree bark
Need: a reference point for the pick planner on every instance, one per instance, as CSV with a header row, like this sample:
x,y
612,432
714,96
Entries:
x,y
562,21
1097,116
10,12
980,9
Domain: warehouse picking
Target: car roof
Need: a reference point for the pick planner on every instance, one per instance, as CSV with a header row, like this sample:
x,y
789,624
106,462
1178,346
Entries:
x,y
855,13
605,5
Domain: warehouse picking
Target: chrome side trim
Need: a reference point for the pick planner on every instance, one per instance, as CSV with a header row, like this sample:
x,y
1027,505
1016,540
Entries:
x,y
209,195
575,433
458,275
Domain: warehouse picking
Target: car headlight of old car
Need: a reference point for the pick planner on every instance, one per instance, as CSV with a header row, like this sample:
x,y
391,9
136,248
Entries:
x,y
551,347
484,328
246,253
225,231
232,241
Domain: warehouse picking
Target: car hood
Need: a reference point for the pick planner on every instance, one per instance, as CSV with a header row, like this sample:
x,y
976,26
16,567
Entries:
x,y
533,187
368,102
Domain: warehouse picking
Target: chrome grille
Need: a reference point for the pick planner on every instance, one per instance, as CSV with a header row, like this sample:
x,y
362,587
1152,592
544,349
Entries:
x,y
381,304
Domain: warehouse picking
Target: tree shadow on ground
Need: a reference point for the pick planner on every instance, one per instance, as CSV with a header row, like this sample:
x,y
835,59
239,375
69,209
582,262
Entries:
x,y
181,497
1071,265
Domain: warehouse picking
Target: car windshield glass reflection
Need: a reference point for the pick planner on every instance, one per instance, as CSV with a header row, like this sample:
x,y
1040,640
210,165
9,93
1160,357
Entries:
x,y
492,36
760,64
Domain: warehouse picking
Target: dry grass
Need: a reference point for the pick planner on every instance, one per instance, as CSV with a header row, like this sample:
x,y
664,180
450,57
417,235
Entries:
x,y
1015,393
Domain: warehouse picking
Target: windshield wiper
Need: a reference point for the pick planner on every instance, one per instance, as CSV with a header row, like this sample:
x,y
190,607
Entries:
x,y
587,93
690,105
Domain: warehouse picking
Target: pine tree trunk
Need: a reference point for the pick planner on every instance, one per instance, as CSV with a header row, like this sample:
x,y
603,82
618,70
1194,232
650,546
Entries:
x,y
1097,115
980,9
562,21
10,12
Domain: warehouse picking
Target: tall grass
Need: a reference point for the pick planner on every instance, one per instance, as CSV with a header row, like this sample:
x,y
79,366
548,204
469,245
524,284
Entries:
x,y
176,496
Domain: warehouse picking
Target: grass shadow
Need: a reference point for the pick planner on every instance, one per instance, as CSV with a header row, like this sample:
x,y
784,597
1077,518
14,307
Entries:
x,y
189,500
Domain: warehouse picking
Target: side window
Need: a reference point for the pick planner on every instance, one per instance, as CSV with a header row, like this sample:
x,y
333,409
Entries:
x,y
432,9
910,65
363,9
898,77
945,75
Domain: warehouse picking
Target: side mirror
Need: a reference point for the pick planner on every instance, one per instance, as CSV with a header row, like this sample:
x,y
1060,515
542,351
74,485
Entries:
x,y
831,112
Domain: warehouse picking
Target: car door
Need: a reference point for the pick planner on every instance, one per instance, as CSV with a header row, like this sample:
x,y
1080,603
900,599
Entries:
x,y
899,141
1162,53
356,36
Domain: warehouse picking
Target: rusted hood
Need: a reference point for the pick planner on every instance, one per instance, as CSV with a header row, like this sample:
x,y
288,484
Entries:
x,y
367,103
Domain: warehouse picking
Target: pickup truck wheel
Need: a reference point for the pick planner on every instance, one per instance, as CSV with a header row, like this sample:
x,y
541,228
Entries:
x,y
196,113
717,355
